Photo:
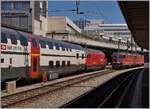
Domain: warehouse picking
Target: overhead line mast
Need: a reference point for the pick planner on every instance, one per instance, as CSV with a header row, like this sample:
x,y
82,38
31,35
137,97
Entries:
x,y
77,9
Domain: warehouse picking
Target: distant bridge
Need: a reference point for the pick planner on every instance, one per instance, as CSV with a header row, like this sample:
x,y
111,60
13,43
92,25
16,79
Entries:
x,y
104,43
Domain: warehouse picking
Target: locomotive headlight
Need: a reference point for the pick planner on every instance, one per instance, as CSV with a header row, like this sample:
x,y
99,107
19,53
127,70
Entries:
x,y
94,62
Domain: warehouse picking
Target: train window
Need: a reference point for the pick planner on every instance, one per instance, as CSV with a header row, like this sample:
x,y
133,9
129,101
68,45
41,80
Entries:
x,y
77,55
67,49
10,60
34,64
23,40
82,56
13,39
51,64
2,60
50,45
63,48
88,56
57,63
68,63
123,56
34,43
3,38
70,49
57,46
63,63
42,43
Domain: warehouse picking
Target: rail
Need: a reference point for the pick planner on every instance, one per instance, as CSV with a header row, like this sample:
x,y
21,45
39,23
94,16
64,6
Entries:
x,y
45,88
114,93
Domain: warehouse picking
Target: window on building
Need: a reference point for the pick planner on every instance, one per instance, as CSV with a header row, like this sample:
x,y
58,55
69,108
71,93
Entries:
x,y
6,5
51,64
3,38
26,5
17,5
23,22
63,63
41,6
23,40
21,5
57,63
50,45
42,43
40,25
37,10
13,39
68,63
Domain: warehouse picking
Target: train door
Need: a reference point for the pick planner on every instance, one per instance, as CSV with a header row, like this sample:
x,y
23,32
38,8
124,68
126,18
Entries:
x,y
78,58
35,59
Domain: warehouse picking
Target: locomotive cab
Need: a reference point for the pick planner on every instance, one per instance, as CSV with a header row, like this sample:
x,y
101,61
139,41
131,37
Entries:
x,y
118,60
123,60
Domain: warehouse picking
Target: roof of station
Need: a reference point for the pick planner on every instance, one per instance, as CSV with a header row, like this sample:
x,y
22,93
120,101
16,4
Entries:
x,y
136,14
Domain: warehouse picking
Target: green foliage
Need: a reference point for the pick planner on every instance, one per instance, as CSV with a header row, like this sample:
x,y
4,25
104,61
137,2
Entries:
x,y
83,35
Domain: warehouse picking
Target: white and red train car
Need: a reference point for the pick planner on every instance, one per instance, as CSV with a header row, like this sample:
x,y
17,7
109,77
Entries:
x,y
124,59
27,56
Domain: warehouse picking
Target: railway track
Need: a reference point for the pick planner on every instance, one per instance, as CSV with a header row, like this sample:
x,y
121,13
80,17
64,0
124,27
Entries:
x,y
123,91
15,98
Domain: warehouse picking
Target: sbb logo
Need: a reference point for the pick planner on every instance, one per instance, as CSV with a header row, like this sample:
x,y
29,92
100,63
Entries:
x,y
3,47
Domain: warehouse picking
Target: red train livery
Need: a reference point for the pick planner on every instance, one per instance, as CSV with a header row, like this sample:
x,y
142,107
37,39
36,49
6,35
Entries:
x,y
95,60
123,59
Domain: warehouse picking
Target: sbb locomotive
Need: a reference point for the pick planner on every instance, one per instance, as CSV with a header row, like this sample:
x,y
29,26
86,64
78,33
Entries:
x,y
27,56
95,60
123,59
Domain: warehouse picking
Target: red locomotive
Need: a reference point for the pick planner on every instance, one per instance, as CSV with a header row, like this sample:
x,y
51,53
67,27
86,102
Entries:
x,y
95,60
120,60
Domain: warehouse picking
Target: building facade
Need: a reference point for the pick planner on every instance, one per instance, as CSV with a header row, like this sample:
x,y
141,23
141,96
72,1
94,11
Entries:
x,y
28,16
82,23
60,27
119,31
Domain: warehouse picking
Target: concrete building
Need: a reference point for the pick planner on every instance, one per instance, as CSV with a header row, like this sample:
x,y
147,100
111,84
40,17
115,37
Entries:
x,y
119,31
60,27
96,21
29,16
81,23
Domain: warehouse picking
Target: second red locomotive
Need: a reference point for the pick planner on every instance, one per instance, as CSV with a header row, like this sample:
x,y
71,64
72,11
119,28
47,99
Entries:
x,y
123,59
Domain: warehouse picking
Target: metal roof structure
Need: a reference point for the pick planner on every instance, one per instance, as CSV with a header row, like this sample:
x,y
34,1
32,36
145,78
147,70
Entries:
x,y
136,14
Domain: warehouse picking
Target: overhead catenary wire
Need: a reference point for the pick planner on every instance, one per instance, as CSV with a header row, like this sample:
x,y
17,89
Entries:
x,y
77,9
100,12
62,10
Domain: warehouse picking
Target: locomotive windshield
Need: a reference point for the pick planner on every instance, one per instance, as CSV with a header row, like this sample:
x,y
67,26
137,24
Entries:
x,y
119,56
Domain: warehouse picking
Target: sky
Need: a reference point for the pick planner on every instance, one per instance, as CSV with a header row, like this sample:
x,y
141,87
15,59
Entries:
x,y
109,11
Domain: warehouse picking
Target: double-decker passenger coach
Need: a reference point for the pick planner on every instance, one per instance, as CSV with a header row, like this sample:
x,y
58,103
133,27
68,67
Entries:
x,y
27,56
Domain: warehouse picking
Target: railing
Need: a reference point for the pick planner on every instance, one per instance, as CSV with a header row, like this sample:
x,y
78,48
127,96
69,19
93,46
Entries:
x,y
99,43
